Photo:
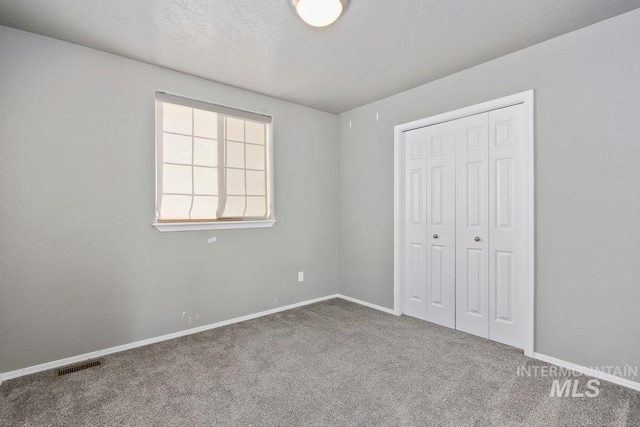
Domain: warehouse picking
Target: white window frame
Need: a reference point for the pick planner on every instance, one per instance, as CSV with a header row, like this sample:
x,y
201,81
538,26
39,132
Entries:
x,y
269,221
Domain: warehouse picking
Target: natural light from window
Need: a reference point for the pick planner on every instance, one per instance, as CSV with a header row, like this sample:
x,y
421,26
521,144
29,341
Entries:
x,y
211,163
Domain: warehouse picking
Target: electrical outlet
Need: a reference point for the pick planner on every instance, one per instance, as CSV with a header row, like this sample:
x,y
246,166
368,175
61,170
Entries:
x,y
300,276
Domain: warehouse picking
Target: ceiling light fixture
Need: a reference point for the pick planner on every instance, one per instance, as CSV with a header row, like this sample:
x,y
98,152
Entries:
x,y
319,13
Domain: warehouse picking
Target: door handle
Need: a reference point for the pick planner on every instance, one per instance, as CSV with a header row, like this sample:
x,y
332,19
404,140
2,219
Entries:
x,y
435,236
477,239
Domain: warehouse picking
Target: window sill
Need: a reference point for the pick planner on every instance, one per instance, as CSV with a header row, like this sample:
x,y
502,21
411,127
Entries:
x,y
222,225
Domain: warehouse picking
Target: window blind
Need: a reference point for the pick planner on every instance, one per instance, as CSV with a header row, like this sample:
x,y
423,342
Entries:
x,y
211,162
206,106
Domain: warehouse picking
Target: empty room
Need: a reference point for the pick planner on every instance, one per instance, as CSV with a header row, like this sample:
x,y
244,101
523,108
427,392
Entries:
x,y
320,213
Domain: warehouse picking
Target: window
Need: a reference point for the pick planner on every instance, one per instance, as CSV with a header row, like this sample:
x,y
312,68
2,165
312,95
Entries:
x,y
213,166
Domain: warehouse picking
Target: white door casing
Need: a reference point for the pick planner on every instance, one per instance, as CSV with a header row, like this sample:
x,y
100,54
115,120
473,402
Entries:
x,y
507,226
510,172
441,224
472,228
415,269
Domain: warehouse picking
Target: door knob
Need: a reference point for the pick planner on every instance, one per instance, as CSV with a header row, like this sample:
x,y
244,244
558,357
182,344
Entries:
x,y
477,239
435,236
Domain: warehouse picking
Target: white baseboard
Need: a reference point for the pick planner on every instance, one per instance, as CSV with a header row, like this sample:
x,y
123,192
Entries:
x,y
75,359
367,304
92,355
588,371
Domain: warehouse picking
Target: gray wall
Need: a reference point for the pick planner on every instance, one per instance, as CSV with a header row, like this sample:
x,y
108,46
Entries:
x,y
587,88
81,268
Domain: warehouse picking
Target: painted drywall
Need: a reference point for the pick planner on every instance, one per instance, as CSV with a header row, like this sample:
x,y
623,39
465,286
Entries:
x,y
587,158
81,268
261,45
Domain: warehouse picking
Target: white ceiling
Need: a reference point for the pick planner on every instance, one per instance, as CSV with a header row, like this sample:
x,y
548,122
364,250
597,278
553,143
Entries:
x,y
376,49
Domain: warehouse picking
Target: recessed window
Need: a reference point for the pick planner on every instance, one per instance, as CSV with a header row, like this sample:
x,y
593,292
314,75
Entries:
x,y
213,166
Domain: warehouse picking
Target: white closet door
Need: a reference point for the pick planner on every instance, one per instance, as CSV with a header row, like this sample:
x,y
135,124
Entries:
x,y
507,181
472,225
441,224
415,252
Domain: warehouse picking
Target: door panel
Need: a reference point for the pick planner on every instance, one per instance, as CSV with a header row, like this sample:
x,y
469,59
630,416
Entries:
x,y
507,225
437,255
472,225
502,281
440,233
415,260
465,208
474,281
474,194
416,257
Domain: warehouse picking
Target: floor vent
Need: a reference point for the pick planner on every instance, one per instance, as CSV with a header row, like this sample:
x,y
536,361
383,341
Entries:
x,y
79,367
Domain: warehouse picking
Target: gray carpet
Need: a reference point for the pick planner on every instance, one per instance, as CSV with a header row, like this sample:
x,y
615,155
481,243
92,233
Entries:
x,y
332,363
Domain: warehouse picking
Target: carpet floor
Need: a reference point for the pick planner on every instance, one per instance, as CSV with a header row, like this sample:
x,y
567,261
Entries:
x,y
333,363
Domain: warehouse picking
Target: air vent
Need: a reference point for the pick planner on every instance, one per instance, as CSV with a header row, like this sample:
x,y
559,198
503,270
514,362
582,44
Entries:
x,y
79,367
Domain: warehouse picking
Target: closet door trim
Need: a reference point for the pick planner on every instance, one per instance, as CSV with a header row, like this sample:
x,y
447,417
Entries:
x,y
527,99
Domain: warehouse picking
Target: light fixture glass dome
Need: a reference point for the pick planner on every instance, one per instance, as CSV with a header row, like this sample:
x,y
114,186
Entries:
x,y
319,13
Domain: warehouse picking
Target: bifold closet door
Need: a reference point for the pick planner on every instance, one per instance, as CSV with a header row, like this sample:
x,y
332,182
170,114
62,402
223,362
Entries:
x,y
507,183
441,224
465,224
415,207
472,225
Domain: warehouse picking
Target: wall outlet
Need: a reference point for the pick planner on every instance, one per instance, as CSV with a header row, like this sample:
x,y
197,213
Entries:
x,y
300,276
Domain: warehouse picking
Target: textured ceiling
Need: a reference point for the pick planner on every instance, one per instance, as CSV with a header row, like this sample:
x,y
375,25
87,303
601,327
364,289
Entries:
x,y
376,49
